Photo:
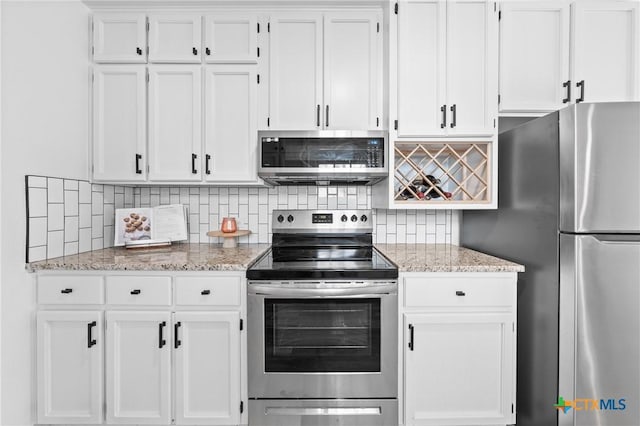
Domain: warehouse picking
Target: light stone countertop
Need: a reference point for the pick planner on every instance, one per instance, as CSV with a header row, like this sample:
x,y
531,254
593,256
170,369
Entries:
x,y
444,258
212,257
178,257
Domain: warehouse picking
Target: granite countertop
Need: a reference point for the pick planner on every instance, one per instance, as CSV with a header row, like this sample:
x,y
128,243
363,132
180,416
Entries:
x,y
212,257
444,258
178,257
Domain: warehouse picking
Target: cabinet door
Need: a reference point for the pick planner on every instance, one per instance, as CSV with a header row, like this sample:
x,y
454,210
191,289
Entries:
x,y
231,38
296,71
119,123
534,56
138,367
472,67
352,71
69,367
175,38
175,123
605,51
119,37
459,369
207,368
231,123
421,67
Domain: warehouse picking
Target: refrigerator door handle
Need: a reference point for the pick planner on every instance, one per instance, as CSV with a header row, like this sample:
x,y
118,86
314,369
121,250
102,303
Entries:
x,y
617,239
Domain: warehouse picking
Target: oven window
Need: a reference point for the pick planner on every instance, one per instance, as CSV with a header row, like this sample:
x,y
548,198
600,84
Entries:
x,y
322,335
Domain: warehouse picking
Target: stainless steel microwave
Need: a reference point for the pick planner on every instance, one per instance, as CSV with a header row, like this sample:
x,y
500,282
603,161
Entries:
x,y
323,157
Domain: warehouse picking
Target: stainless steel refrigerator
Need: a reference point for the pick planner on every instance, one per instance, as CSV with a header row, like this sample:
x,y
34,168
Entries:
x,y
569,210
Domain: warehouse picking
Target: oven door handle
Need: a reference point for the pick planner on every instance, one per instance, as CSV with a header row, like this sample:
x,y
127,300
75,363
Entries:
x,y
290,291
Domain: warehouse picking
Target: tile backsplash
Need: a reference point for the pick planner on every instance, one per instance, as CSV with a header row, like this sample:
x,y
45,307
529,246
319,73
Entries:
x,y
67,216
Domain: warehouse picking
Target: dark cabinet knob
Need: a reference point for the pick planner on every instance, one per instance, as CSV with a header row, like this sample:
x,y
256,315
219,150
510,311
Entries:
x,y
195,51
136,291
205,292
207,51
66,290
460,293
138,51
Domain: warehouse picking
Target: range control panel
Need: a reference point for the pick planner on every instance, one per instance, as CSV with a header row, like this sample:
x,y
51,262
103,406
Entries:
x,y
321,220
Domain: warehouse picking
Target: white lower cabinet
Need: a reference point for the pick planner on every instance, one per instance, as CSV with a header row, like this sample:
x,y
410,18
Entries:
x,y
165,363
138,367
207,368
459,348
69,367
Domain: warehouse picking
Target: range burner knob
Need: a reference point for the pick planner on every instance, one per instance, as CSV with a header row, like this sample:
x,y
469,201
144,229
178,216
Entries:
x,y
363,218
344,218
354,218
289,218
280,218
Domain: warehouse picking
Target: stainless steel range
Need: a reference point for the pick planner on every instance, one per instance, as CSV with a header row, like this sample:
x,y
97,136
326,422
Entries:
x,y
322,324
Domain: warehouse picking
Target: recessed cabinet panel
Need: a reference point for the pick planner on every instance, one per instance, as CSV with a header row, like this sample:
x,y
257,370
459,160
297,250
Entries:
x,y
69,367
459,368
207,362
296,71
175,123
605,51
534,56
472,81
231,38
352,85
175,38
119,123
231,123
138,367
119,37
421,64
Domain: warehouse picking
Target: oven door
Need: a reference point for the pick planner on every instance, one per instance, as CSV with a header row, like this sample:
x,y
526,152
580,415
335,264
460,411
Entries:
x,y
328,340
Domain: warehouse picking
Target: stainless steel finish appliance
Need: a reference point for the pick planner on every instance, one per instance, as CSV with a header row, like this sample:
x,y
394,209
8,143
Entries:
x,y
322,157
569,210
322,324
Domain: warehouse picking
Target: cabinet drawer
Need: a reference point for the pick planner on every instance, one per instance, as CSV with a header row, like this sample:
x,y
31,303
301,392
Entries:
x,y
133,290
70,289
490,291
219,291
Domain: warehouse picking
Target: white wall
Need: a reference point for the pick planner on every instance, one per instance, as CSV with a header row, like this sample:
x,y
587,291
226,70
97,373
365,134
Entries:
x,y
45,131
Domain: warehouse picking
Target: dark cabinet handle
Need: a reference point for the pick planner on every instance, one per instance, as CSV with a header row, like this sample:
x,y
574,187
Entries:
x,y
205,292
138,51
176,342
453,116
207,158
460,293
138,169
136,291
410,337
90,340
326,117
318,115
580,84
195,51
194,157
207,51
443,109
567,84
161,340
66,290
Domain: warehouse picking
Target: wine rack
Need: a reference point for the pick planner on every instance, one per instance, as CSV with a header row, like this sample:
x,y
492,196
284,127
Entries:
x,y
442,173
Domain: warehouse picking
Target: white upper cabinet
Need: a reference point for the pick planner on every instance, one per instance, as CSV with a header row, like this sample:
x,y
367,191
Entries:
x,y
534,56
175,38
175,135
119,37
207,368
231,38
352,70
69,367
119,123
446,65
605,45
138,367
230,123
296,71
342,91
